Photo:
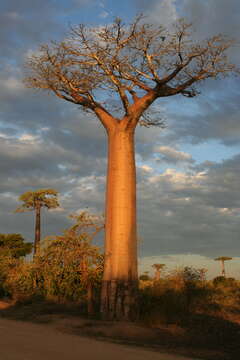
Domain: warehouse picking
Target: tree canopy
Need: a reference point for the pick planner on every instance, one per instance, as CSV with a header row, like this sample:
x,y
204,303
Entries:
x,y
158,266
42,197
128,60
223,258
13,245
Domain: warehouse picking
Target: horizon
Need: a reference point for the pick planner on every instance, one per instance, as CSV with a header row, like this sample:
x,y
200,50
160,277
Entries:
x,y
188,174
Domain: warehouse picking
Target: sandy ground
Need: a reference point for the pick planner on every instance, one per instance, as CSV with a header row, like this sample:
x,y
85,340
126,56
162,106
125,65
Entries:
x,y
27,341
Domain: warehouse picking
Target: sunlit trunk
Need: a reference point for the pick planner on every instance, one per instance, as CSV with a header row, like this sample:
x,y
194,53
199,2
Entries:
x,y
120,271
37,229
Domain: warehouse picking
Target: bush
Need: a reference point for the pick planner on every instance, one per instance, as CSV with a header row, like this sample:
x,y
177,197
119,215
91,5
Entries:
x,y
70,264
66,269
223,281
183,293
161,303
23,281
7,263
13,245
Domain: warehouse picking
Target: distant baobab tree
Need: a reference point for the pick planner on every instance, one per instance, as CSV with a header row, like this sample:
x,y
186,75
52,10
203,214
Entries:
x,y
34,201
158,268
223,259
137,64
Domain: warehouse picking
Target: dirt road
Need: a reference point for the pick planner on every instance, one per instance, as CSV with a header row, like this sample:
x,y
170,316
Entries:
x,y
27,341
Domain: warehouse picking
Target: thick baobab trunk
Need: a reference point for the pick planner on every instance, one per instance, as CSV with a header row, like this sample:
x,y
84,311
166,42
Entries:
x,y
37,229
120,270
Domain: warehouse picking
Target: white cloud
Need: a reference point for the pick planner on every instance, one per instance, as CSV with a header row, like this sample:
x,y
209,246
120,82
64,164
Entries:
x,y
146,168
177,179
103,14
171,155
28,138
4,136
13,84
163,12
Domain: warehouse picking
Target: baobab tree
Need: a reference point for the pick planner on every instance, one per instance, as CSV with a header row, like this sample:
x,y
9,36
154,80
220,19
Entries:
x,y
223,259
35,201
158,268
137,64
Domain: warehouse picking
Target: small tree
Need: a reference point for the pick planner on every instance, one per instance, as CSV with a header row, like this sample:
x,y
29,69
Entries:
x,y
72,264
140,63
12,248
158,268
13,245
223,259
35,201
88,225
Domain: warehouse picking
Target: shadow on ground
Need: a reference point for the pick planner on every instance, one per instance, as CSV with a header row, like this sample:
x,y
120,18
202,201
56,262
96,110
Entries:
x,y
199,335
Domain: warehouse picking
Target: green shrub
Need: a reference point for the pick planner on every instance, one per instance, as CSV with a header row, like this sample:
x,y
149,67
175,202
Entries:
x,y
66,269
24,281
14,246
7,263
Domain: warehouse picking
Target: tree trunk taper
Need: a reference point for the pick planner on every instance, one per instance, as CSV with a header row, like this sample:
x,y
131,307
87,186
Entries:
x,y
120,270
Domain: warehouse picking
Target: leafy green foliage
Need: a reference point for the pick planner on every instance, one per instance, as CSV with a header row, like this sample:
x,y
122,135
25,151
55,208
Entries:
x,y
42,198
6,263
13,245
22,280
69,264
63,270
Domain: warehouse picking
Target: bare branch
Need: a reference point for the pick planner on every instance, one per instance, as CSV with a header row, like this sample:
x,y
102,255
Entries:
x,y
139,62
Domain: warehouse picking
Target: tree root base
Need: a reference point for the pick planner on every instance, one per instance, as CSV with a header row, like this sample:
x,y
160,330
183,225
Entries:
x,y
119,300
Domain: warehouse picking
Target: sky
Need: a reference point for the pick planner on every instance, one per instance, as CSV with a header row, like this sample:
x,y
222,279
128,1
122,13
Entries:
x,y
187,174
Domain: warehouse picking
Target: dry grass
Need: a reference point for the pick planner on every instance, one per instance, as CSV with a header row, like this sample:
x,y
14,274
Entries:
x,y
181,313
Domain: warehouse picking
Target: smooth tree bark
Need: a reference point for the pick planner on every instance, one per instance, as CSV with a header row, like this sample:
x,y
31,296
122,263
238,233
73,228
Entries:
x,y
37,228
139,63
120,275
120,279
